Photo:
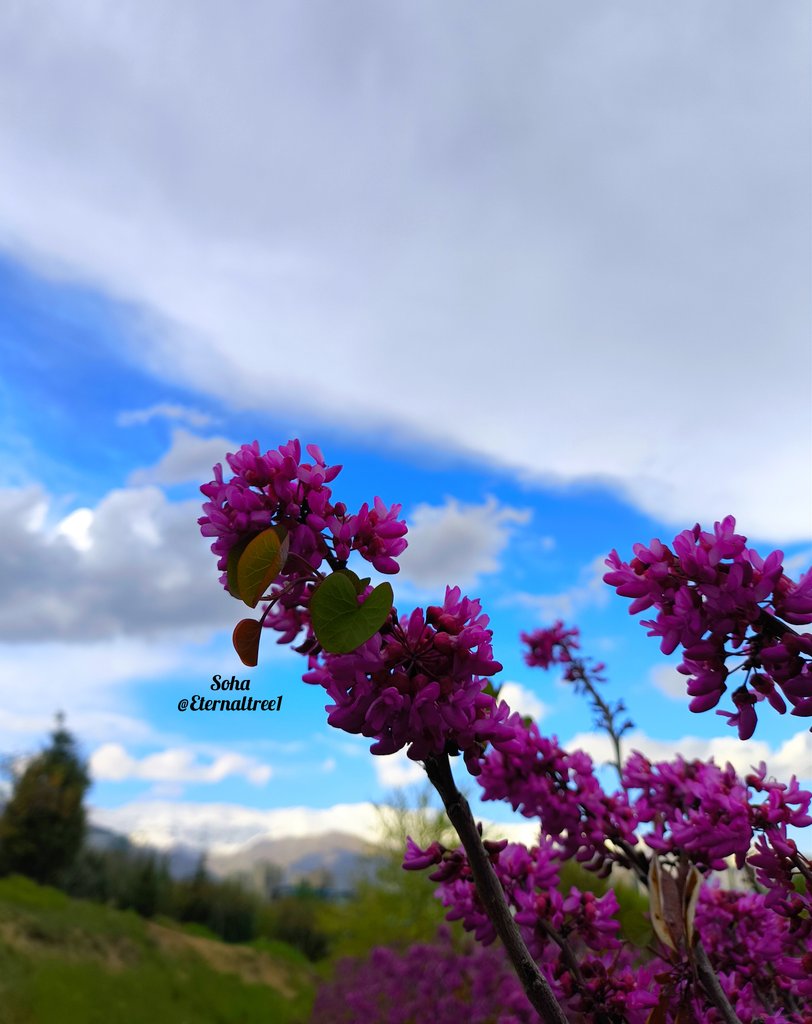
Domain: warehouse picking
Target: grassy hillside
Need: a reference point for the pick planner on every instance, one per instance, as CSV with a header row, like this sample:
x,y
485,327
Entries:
x,y
65,961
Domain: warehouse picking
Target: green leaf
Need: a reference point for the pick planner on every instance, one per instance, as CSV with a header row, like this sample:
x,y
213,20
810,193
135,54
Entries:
x,y
260,564
246,641
359,584
341,625
231,569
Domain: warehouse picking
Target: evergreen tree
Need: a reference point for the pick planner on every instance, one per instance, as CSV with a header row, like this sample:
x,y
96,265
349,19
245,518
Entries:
x,y
43,824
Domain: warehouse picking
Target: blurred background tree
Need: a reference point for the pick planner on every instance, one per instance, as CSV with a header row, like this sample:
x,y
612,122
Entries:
x,y
390,906
42,827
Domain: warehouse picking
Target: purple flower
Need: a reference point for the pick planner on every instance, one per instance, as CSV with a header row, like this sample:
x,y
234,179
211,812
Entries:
x,y
717,600
419,682
554,644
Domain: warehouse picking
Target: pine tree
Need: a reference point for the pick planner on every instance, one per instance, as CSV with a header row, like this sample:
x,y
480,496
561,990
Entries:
x,y
43,824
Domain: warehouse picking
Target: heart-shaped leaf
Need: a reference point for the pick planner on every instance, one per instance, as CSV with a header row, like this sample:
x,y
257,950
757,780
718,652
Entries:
x,y
359,584
260,564
246,641
339,622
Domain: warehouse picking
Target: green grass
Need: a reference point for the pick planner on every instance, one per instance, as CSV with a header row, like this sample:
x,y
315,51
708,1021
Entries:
x,y
65,961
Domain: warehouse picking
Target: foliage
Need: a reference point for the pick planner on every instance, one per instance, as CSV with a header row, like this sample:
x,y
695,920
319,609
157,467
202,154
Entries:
x,y
43,823
127,878
295,920
393,907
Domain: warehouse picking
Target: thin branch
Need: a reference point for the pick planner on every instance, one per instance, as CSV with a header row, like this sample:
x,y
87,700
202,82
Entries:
x,y
579,675
713,990
491,893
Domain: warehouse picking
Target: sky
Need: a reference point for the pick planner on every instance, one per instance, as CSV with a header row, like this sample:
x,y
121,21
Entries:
x,y
539,272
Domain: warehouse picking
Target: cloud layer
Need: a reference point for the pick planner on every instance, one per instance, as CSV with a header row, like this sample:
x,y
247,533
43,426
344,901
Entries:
x,y
455,543
793,757
111,762
223,828
574,245
130,566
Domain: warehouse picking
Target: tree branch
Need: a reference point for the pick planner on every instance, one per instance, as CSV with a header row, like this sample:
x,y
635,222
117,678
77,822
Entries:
x,y
491,893
713,990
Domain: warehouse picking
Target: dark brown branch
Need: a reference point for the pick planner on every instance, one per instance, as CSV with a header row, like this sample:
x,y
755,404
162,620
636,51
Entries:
x,y
710,983
491,893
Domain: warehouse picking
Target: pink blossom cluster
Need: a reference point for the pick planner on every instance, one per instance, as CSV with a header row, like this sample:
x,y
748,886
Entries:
x,y
760,960
426,982
695,807
559,928
552,645
420,681
541,780
699,811
277,488
711,591
709,813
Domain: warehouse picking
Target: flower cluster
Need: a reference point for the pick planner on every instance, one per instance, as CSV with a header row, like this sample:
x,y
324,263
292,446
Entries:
x,y
698,811
695,807
277,488
711,591
554,644
541,780
427,982
419,681
758,958
557,926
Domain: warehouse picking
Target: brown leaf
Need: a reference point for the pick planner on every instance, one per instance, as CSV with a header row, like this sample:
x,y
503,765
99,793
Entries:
x,y
246,641
659,1014
693,883
665,905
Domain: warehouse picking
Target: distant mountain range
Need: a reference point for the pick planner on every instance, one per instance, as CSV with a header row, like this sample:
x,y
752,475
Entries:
x,y
332,860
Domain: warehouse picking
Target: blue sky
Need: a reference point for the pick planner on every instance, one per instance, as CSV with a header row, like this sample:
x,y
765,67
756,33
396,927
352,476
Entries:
x,y
549,290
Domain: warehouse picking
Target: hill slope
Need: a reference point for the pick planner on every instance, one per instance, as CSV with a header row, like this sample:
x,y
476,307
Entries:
x,y
66,961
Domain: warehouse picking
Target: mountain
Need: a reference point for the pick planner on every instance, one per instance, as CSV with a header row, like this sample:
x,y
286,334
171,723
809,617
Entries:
x,y
335,860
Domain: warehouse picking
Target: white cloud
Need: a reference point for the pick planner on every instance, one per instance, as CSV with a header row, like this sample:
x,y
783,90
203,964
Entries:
x,y
520,699
164,410
112,763
668,681
189,458
559,249
589,592
223,828
76,527
456,543
793,757
396,770
96,685
133,565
